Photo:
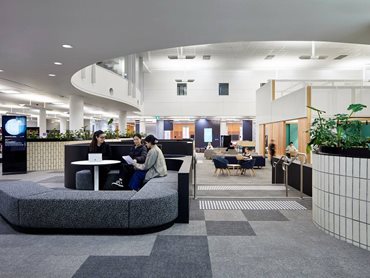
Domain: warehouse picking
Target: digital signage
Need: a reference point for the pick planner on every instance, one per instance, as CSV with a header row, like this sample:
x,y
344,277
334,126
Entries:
x,y
14,144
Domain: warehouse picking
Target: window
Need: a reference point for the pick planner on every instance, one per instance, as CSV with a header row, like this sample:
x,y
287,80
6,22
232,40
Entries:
x,y
181,89
223,89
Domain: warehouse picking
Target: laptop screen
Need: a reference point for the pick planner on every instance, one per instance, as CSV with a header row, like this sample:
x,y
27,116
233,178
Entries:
x,y
95,157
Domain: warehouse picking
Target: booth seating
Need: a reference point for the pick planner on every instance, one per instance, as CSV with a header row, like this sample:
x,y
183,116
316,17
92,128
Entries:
x,y
27,204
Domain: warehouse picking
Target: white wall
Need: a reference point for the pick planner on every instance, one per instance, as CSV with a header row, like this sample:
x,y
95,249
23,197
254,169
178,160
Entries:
x,y
160,92
104,80
336,100
203,100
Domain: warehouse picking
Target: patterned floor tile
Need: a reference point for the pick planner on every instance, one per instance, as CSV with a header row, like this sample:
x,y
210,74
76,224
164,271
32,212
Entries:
x,y
264,215
229,228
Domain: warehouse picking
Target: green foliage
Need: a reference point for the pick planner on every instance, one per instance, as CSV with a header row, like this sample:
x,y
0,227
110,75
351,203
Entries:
x,y
110,121
338,132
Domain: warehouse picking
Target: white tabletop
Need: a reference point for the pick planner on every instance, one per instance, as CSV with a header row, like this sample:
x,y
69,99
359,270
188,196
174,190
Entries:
x,y
95,163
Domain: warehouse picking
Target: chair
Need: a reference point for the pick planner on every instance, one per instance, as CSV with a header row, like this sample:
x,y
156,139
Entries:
x,y
247,164
221,165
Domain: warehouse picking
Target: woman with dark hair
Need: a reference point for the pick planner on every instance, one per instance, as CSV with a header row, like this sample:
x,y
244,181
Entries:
x,y
98,145
154,166
138,153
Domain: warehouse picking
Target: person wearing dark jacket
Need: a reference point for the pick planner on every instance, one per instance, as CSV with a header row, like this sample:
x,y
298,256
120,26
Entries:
x,y
138,153
98,145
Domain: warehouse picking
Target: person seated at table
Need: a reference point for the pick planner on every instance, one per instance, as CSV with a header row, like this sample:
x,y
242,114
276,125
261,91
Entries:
x,y
98,145
230,147
290,150
138,153
154,166
209,146
246,153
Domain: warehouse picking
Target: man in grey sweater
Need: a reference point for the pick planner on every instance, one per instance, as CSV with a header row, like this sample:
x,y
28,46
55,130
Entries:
x,y
154,166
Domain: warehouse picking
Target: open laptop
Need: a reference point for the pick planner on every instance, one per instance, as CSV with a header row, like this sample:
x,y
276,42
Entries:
x,y
95,157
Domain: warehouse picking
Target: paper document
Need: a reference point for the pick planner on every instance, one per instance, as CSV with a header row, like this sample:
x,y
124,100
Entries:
x,y
128,159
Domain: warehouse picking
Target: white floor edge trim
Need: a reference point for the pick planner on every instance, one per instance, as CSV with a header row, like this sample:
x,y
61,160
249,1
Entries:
x,y
241,187
249,205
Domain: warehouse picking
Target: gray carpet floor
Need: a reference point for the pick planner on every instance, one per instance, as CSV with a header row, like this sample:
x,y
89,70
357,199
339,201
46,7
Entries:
x,y
216,243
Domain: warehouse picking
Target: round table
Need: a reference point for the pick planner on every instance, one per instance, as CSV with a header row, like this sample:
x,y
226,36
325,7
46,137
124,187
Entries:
x,y
96,165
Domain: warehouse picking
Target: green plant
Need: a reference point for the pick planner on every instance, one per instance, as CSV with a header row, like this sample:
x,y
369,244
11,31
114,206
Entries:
x,y
340,131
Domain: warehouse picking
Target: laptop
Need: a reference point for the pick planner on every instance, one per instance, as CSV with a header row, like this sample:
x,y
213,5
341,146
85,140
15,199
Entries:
x,y
95,157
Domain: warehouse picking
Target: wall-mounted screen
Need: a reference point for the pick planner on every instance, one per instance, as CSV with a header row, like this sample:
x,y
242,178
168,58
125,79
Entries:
x,y
207,135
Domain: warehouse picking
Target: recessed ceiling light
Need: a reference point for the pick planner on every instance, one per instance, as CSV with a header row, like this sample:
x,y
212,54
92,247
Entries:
x,y
58,103
58,63
1,70
67,46
51,74
10,92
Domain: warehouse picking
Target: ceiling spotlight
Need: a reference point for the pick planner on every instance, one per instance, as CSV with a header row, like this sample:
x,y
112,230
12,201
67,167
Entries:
x,y
67,46
22,104
1,70
10,92
51,74
58,63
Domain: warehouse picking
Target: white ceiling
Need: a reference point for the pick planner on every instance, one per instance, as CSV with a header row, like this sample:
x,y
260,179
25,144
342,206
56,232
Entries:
x,y
32,32
251,56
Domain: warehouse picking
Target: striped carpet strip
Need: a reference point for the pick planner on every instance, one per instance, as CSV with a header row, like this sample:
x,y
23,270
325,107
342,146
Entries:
x,y
249,205
241,187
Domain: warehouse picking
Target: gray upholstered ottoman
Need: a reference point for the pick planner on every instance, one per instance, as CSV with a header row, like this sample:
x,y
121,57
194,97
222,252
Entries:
x,y
84,179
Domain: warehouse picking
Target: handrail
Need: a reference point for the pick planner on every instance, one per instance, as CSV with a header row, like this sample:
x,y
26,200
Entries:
x,y
285,166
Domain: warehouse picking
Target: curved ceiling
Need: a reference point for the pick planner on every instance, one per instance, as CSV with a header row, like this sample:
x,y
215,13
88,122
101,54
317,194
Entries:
x,y
32,31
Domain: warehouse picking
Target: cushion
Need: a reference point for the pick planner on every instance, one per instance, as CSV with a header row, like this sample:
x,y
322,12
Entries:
x,y
154,205
76,209
11,192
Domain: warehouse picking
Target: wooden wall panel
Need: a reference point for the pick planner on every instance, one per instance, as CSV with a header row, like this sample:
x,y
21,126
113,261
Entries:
x,y
261,140
233,128
177,130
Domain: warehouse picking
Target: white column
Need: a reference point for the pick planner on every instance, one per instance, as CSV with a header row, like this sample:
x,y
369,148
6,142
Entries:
x,y
42,122
223,128
142,127
76,112
62,125
122,122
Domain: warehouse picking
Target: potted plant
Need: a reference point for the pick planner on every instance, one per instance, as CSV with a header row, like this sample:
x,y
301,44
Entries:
x,y
339,135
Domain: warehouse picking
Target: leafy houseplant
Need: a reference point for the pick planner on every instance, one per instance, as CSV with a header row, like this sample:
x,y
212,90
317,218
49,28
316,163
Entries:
x,y
340,134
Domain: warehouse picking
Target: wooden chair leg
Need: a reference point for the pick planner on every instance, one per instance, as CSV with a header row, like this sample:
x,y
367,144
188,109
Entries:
x,y
228,172
254,173
215,171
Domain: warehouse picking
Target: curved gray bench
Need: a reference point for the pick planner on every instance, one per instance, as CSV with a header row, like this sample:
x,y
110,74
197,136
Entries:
x,y
30,205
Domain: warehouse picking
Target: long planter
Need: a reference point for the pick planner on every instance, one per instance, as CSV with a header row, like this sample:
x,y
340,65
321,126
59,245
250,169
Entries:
x,y
341,197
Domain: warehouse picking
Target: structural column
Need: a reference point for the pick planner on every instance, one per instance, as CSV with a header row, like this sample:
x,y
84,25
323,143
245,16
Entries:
x,y
76,112
122,122
223,128
42,122
63,125
142,127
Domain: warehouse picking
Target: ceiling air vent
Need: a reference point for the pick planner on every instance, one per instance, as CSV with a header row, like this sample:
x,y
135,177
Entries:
x,y
172,57
269,57
178,80
206,57
307,57
340,57
191,80
189,56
